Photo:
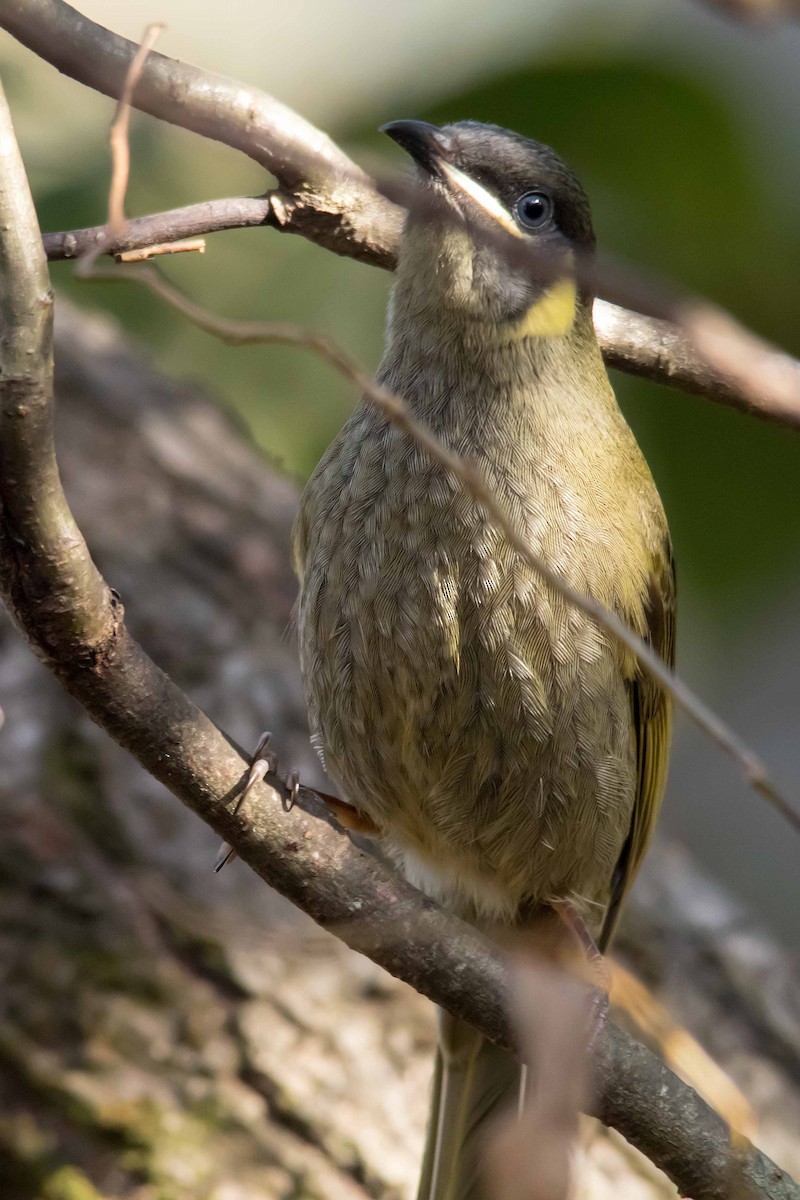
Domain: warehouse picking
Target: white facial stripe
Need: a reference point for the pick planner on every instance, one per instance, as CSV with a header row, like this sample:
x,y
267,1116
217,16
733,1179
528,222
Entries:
x,y
483,198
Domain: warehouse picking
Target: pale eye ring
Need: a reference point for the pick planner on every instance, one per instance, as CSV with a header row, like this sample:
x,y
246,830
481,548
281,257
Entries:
x,y
534,210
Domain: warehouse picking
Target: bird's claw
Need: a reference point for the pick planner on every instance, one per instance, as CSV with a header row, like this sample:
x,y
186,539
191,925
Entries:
x,y
293,785
265,762
225,854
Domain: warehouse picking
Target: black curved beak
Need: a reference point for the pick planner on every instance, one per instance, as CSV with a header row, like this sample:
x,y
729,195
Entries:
x,y
427,144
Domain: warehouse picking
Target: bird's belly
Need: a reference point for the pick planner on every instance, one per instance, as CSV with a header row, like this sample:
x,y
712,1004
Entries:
x,y
482,723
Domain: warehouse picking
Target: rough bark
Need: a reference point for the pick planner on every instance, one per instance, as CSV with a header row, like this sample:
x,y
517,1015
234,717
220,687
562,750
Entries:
x,y
169,1033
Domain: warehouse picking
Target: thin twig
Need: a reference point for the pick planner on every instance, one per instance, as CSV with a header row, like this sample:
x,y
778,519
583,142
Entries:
x,y
242,117
530,1154
118,139
647,347
119,145
240,333
187,246
326,196
140,233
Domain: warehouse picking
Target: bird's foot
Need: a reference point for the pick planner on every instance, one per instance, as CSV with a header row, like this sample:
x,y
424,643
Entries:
x,y
265,762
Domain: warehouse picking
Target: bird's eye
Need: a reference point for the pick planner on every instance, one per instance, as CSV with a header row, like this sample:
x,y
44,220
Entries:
x,y
534,210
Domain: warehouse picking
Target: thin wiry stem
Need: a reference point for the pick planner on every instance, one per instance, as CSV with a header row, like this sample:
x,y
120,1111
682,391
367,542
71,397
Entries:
x,y
118,135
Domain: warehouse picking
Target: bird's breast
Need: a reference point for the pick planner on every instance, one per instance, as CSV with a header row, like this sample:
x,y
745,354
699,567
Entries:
x,y
482,722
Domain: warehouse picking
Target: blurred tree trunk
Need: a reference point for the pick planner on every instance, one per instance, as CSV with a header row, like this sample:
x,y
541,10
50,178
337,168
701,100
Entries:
x,y
168,1034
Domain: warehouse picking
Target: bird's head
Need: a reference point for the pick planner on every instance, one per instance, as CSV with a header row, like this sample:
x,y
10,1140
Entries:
x,y
491,206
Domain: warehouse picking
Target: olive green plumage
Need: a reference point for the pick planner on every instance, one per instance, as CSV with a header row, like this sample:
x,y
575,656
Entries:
x,y
507,749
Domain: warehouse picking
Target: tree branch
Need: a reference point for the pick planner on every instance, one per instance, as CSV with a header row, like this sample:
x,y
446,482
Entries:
x,y
661,352
75,622
195,220
328,197
246,119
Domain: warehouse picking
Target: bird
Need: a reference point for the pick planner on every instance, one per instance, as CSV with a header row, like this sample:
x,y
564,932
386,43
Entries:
x,y
507,752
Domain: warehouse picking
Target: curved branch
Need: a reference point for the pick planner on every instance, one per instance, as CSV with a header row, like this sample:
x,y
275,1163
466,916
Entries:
x,y
246,119
75,622
67,598
329,197
661,352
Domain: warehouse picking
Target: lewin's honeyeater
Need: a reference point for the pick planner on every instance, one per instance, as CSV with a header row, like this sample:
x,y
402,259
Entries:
x,y
507,750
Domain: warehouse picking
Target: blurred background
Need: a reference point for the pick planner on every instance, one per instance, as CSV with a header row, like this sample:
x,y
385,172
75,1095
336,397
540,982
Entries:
x,y
683,125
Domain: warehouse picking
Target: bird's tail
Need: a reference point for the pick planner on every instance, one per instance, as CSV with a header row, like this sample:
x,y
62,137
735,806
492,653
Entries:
x,y
473,1082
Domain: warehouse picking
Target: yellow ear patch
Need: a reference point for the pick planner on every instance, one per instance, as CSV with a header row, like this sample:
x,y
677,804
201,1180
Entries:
x,y
552,315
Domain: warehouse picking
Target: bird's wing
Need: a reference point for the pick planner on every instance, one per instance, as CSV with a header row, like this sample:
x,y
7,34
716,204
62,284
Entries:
x,y
652,722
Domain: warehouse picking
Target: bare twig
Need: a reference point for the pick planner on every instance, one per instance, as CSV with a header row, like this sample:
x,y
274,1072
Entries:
x,y
766,380
244,118
118,135
119,145
211,216
187,246
325,197
76,625
644,346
